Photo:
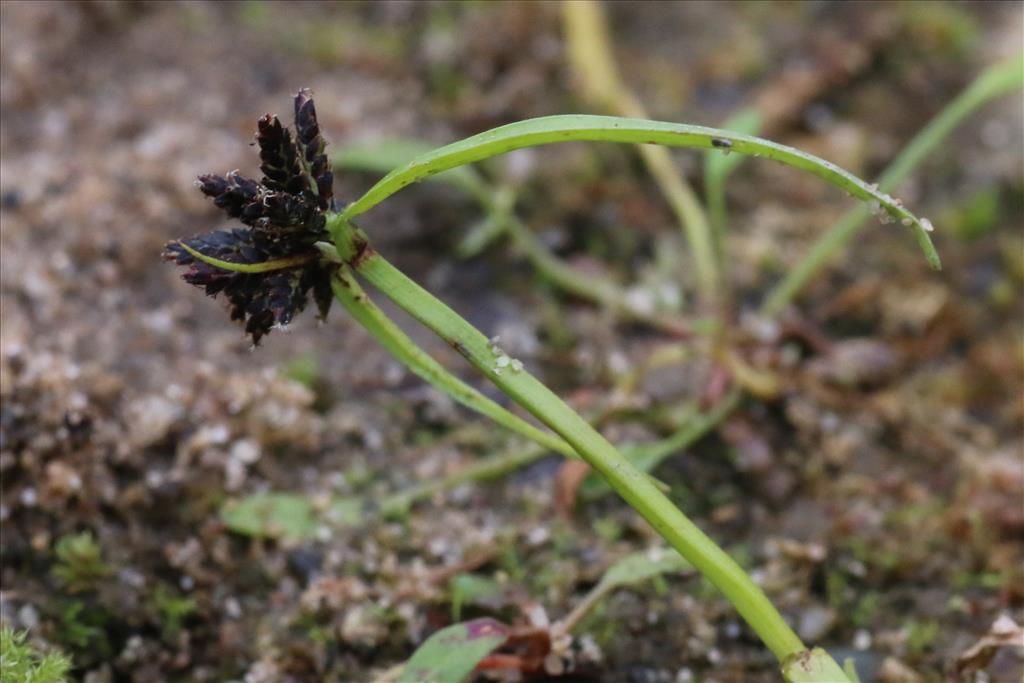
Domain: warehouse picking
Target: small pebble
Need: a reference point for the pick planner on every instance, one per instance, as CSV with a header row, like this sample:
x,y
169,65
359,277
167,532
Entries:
x,y
28,616
538,535
29,497
861,640
815,622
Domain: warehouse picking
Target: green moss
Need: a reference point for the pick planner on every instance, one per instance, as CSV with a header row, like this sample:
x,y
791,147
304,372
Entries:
x,y
1003,294
874,555
976,216
81,628
603,625
609,529
922,635
556,576
512,563
941,28
80,563
837,587
866,609
21,663
253,14
964,579
304,369
171,609
1011,251
470,589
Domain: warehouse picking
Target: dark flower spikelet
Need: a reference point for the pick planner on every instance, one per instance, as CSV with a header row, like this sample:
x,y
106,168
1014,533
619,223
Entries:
x,y
284,215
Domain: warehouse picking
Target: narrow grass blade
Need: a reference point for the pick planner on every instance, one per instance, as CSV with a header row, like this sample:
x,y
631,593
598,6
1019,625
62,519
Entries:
x,y
646,457
551,129
631,570
488,468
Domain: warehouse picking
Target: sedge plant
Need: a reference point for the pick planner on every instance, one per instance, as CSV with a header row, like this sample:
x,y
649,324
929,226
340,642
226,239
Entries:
x,y
298,244
497,200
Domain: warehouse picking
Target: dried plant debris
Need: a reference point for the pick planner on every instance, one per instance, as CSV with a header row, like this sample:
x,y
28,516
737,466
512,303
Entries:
x,y
284,215
1004,633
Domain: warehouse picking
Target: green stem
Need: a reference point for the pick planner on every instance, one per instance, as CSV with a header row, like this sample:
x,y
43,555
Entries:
x,y
488,468
350,294
590,53
994,82
569,622
691,216
717,168
647,456
499,206
714,191
633,485
600,292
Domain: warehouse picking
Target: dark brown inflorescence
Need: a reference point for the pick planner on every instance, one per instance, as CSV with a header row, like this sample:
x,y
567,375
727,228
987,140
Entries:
x,y
284,215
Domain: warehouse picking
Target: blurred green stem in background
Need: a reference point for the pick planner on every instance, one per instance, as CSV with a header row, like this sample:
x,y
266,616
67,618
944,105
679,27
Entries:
x,y
592,60
718,166
994,82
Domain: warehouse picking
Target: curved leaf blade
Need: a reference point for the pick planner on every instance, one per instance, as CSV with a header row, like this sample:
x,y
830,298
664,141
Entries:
x,y
581,127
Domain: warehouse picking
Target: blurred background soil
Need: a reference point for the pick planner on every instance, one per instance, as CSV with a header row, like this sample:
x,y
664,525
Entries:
x,y
885,518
